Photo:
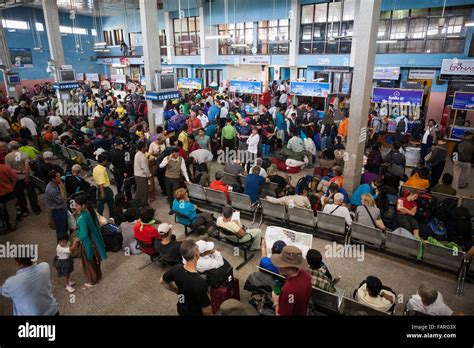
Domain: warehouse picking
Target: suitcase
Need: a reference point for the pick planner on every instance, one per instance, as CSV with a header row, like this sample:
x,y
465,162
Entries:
x,y
220,294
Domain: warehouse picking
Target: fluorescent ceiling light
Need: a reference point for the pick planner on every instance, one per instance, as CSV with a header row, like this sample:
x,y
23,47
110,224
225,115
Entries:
x,y
100,44
214,37
469,24
386,41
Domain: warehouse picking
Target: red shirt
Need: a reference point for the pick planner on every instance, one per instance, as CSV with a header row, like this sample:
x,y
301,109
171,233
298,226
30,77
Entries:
x,y
7,177
183,153
407,204
147,235
295,295
219,185
193,125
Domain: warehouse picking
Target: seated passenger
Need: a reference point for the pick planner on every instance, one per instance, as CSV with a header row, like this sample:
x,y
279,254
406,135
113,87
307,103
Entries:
x,y
266,262
225,221
277,179
292,200
219,185
209,257
446,186
372,294
429,301
419,180
372,189
258,163
338,208
368,214
253,184
168,246
367,177
126,229
320,275
145,232
406,211
333,189
188,213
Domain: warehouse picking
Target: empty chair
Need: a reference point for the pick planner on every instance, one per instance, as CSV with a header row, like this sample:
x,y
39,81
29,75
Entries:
x,y
229,237
273,211
351,307
325,302
269,189
243,203
443,257
302,216
331,223
366,234
229,179
441,197
196,191
401,245
216,197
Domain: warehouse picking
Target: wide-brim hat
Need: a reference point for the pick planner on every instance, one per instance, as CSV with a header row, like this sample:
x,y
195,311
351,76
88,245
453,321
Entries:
x,y
290,256
232,307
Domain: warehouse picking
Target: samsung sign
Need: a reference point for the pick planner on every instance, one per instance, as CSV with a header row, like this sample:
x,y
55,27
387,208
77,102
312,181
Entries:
x,y
457,69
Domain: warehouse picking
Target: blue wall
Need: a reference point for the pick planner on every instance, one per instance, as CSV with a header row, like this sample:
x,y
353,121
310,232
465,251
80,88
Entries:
x,y
132,22
25,39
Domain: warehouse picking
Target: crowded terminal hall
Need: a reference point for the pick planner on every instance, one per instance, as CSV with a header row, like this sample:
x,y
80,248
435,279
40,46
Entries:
x,y
237,158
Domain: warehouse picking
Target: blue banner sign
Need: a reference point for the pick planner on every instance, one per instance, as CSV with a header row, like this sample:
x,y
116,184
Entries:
x,y
66,85
310,89
397,95
155,96
463,101
458,132
247,87
190,83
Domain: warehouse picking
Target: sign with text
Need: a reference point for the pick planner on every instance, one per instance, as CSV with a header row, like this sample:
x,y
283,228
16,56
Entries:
x,y
397,95
66,85
386,73
457,67
255,60
458,132
310,89
463,101
21,58
92,77
155,96
421,74
247,87
119,78
190,83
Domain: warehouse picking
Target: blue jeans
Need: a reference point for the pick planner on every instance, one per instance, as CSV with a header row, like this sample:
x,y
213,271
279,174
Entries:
x,y
109,199
60,220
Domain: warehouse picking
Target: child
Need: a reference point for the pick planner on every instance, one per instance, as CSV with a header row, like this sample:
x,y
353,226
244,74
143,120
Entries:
x,y
65,263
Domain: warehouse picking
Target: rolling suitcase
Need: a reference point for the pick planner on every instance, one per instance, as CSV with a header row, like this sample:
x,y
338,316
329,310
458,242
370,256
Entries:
x,y
222,293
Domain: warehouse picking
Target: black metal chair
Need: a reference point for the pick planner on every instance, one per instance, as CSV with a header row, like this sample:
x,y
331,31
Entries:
x,y
229,238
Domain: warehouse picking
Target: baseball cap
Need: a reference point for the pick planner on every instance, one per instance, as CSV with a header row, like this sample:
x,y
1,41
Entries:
x,y
164,228
48,155
204,246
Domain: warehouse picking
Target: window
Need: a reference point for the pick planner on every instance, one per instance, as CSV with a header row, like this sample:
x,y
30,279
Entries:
x,y
240,40
108,37
186,36
273,37
71,30
424,30
213,77
181,72
40,27
93,32
301,73
118,37
163,43
10,24
199,73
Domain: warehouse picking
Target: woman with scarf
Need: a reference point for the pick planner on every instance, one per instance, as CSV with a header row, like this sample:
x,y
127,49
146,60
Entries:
x,y
145,232
92,249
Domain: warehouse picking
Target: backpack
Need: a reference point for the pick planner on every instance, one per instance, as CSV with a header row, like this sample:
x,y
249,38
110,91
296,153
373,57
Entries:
x,y
304,183
426,204
266,163
220,276
113,239
443,209
401,125
461,229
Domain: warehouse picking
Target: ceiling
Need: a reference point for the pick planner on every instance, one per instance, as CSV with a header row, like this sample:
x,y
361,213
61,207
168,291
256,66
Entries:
x,y
84,7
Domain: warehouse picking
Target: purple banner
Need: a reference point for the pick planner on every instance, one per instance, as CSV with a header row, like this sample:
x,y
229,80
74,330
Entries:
x,y
397,95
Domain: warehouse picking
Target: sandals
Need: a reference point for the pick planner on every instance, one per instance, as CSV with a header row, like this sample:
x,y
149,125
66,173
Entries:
x,y
87,286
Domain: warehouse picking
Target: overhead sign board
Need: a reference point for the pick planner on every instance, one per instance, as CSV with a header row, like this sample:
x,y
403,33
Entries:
x,y
190,83
421,74
397,95
463,101
310,89
255,60
457,69
386,73
155,96
247,87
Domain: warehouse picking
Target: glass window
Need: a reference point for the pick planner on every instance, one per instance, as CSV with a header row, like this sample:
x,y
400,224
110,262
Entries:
x,y
386,15
396,47
318,47
454,45
400,14
335,11
434,46
456,25
461,10
384,30
347,28
349,9
320,15
415,46
305,48
419,12
417,28
307,12
434,30
399,29
306,33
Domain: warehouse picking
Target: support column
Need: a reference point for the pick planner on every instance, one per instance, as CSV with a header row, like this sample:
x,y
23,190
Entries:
x,y
151,53
208,52
55,42
364,57
5,63
354,36
294,16
169,37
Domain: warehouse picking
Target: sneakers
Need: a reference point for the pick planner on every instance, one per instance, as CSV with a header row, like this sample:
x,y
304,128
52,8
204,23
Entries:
x,y
70,289
72,283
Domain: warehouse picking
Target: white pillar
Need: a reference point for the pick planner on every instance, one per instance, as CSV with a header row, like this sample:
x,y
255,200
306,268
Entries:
x,y
151,52
169,37
364,57
354,36
51,20
294,32
209,48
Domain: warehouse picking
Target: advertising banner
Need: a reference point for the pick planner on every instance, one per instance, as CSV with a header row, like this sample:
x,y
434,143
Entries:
x,y
247,87
397,95
190,83
310,89
92,77
386,73
457,69
463,101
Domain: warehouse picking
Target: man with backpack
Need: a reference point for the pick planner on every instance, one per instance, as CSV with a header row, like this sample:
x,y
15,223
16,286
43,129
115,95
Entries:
x,y
402,127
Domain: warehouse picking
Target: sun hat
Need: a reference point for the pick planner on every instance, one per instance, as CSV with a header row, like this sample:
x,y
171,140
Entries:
x,y
290,256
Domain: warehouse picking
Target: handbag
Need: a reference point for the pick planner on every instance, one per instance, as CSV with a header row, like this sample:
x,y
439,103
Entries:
x,y
71,221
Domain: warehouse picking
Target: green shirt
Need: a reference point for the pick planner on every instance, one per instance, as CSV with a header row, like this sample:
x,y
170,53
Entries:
x,y
31,151
228,132
186,108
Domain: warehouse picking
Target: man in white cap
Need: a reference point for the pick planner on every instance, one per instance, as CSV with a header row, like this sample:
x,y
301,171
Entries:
x,y
209,257
168,246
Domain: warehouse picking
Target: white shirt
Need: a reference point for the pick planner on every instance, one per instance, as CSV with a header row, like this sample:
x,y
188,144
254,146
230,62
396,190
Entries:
x,y
206,263
55,120
4,127
263,172
426,135
202,155
252,143
224,112
204,120
11,109
63,253
341,211
28,123
42,109
140,165
156,148
283,99
437,308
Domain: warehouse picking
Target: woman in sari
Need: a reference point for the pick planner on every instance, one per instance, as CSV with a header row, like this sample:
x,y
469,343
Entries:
x,y
92,250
